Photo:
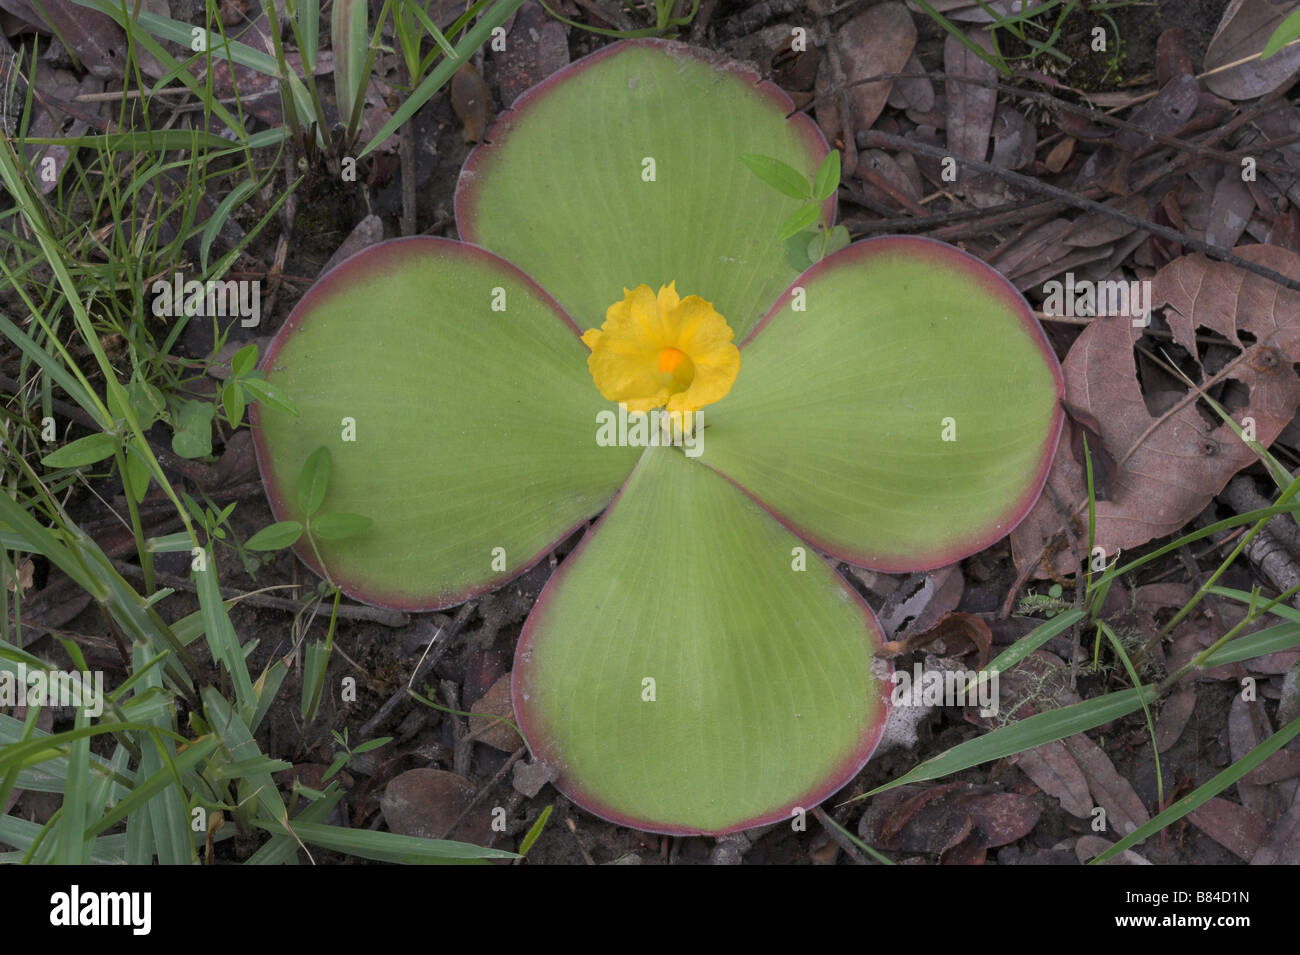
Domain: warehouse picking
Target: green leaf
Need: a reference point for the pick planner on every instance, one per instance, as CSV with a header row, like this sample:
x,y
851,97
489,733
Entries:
x,y
800,220
692,668
232,402
898,408
83,451
827,179
389,846
780,176
136,476
313,479
799,249
268,394
534,831
703,222
1022,735
193,435
839,239
337,527
243,361
1205,792
275,536
1287,31
212,227
474,38
475,430
350,43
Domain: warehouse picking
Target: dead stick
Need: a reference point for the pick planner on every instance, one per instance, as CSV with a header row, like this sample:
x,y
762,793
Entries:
x,y
874,138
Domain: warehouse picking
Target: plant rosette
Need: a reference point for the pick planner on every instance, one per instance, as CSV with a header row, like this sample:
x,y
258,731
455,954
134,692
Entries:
x,y
620,330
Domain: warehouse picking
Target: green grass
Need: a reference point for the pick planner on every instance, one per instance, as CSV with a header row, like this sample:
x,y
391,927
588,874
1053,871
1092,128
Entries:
x,y
171,767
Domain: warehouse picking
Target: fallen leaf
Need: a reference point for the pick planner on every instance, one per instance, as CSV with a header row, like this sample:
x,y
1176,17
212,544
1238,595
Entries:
x,y
470,98
1245,28
970,107
880,40
495,703
1170,465
94,38
1172,56
920,600
1015,139
1238,829
1001,818
1230,211
1166,113
1053,770
1248,726
426,802
1282,845
913,92
1173,716
1086,443
1124,809
1090,846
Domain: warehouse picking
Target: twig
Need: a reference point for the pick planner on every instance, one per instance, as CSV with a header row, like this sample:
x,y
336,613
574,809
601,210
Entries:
x,y
439,645
875,138
389,618
833,830
491,784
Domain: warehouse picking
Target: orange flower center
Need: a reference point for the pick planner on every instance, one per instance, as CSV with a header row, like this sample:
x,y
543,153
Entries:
x,y
669,359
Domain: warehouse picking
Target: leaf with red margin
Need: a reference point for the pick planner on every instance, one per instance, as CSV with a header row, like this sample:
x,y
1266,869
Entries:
x,y
898,407
475,430
563,187
684,675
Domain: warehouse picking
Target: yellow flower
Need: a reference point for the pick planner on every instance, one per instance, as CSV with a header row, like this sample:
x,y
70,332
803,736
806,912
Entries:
x,y
656,350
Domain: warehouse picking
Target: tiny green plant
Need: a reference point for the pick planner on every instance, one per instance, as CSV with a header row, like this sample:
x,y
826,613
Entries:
x,y
347,753
807,238
313,481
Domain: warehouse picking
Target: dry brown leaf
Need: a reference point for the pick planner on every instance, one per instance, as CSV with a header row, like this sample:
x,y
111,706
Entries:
x,y
1173,717
1172,56
1124,809
495,703
470,98
1001,818
920,600
913,92
426,802
1248,726
1236,828
1172,464
1015,139
1282,845
96,41
1230,211
880,40
970,107
1053,770
1089,846
1245,28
